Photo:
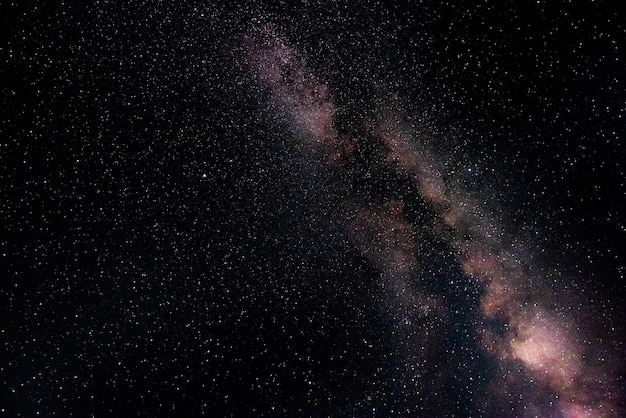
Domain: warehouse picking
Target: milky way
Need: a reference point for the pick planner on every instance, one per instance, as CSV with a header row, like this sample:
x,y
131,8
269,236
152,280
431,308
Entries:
x,y
312,208
543,357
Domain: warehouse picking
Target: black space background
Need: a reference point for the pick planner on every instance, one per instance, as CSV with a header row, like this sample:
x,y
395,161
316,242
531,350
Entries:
x,y
162,249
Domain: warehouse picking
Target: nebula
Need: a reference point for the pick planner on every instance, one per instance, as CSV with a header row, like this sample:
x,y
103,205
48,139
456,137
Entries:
x,y
543,360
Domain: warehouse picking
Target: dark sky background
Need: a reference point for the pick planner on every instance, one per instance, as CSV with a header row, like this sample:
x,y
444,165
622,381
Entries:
x,y
168,247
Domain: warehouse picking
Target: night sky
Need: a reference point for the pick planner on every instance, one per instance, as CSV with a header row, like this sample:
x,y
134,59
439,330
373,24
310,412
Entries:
x,y
317,208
